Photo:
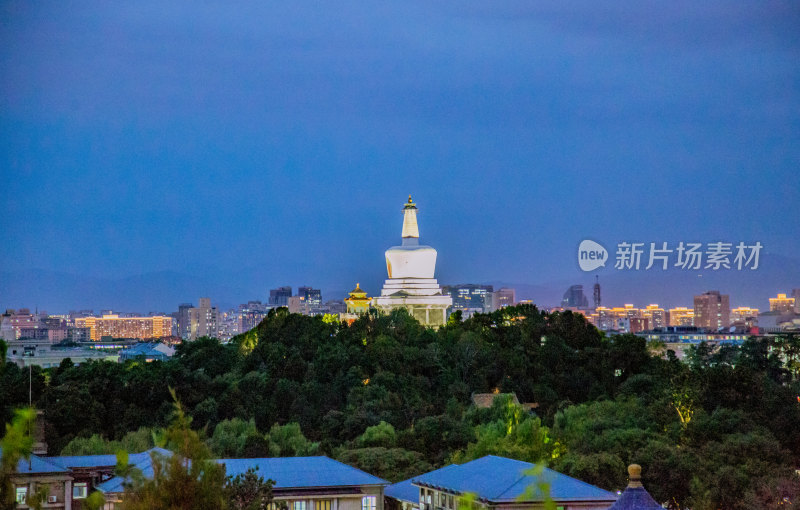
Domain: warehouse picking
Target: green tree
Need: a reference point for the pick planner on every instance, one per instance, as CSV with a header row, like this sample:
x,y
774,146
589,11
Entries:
x,y
16,445
186,479
248,491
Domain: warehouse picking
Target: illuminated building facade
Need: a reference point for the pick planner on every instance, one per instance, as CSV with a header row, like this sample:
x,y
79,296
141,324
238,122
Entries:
x,y
357,304
655,315
504,297
712,310
280,296
470,298
113,325
411,283
782,304
312,297
203,320
744,317
681,316
628,319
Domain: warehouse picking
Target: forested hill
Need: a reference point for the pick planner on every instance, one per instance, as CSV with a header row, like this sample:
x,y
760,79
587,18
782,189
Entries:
x,y
394,398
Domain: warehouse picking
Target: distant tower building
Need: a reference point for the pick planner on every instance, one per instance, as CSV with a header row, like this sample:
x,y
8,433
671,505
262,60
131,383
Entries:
x,y
796,296
182,319
203,320
470,298
596,293
782,304
411,284
504,297
712,310
574,298
280,296
312,297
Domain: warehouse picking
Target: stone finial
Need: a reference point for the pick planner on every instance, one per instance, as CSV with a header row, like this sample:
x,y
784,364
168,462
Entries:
x,y
634,475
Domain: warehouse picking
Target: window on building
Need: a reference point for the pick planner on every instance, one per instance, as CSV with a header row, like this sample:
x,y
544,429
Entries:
x,y
80,490
299,505
368,503
323,504
22,495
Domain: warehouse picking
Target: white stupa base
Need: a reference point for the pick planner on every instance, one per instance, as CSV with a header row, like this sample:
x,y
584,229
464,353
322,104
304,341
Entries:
x,y
422,297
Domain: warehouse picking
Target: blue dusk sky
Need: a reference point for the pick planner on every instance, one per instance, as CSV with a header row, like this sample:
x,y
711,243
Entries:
x,y
238,147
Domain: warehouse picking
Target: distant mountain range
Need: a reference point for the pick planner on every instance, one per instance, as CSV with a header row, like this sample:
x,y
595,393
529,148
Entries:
x,y
162,291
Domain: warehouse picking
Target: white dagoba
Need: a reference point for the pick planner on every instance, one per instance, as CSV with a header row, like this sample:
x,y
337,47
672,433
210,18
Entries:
x,y
411,284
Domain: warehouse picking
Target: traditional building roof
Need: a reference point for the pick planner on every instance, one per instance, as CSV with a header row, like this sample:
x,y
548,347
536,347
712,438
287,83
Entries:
x,y
500,480
97,461
36,465
485,400
303,472
635,497
358,290
406,490
141,461
287,472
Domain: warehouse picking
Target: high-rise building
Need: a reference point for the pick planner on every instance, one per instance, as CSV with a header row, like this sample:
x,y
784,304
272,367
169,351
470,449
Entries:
x,y
203,320
504,297
680,316
298,304
712,310
655,315
796,296
575,298
781,304
411,284
470,298
113,325
596,292
250,315
182,320
13,321
280,296
312,297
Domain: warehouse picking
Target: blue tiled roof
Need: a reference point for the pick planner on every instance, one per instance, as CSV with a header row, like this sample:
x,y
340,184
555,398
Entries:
x,y
302,471
406,491
141,461
37,464
287,472
498,479
635,498
144,349
89,461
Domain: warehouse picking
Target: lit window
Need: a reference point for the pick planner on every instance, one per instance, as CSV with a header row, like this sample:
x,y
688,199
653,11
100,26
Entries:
x,y
368,503
22,495
322,504
299,505
80,490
